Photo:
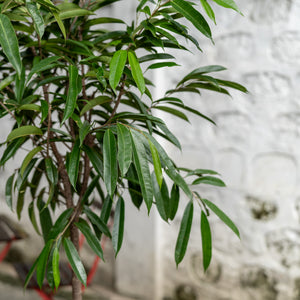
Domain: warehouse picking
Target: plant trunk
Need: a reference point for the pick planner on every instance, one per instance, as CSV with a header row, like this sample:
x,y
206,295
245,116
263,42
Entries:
x,y
76,284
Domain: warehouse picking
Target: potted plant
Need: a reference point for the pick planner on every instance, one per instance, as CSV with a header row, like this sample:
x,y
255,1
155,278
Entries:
x,y
82,105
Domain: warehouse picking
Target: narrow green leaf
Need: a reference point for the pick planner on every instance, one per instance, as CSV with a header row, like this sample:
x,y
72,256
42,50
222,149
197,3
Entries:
x,y
222,216
8,191
11,149
74,260
51,170
97,221
37,18
116,67
72,93
24,131
106,209
150,57
60,224
142,168
28,158
162,65
134,186
42,263
73,164
173,111
228,4
32,107
31,214
110,162
200,172
44,110
184,232
55,267
95,159
206,241
75,12
60,23
208,10
20,86
42,65
209,180
6,82
92,185
191,14
83,131
45,219
90,238
174,201
124,148
136,71
92,103
118,228
9,43
156,163
161,198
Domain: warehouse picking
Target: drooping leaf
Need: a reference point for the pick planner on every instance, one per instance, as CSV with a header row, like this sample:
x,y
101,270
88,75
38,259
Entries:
x,y
142,168
74,260
45,218
28,158
24,131
97,221
9,43
92,103
8,191
118,227
51,170
73,164
228,4
206,241
37,18
83,131
209,180
32,217
60,23
222,216
116,67
124,148
209,11
174,201
11,149
90,238
156,163
136,71
106,209
110,162
190,13
184,232
55,267
72,93
94,158
42,263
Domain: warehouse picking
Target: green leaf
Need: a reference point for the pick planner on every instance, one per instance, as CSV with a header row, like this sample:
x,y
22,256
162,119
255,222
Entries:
x,y
150,57
60,224
142,168
42,65
90,189
118,228
228,4
173,111
42,263
116,67
161,198
11,149
222,216
110,162
55,267
98,222
124,148
136,71
208,10
184,233
75,12
20,86
45,219
32,217
206,241
83,131
162,65
200,172
174,201
51,170
106,209
209,180
74,260
90,238
73,164
9,43
28,158
191,14
60,24
8,191
24,131
94,158
44,110
6,82
92,103
37,18
156,163
72,93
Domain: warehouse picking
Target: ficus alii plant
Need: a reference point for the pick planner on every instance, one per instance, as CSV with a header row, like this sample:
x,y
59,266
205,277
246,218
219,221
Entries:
x,y
82,108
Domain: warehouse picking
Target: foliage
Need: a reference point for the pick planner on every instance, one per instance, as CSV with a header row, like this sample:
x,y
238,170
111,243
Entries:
x,y
83,110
